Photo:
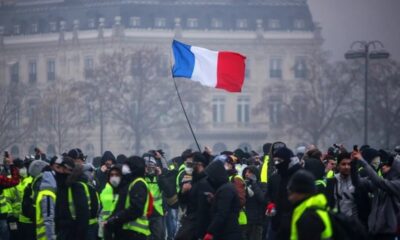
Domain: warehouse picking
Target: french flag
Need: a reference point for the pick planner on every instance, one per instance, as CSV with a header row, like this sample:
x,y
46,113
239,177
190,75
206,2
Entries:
x,y
218,69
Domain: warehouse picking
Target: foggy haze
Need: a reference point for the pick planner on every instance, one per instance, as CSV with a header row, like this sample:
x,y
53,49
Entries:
x,y
345,21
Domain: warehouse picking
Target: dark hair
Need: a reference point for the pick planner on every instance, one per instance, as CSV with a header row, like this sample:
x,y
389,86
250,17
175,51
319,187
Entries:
x,y
343,155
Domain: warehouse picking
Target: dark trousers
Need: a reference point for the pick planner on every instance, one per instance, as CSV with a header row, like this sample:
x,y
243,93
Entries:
x,y
157,228
253,232
187,231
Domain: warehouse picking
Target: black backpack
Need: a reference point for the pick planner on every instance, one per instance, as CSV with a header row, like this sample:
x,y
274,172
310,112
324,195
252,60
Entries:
x,y
347,228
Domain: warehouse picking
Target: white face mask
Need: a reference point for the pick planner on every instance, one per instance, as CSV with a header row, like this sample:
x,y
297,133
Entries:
x,y
115,180
376,162
189,170
23,172
126,170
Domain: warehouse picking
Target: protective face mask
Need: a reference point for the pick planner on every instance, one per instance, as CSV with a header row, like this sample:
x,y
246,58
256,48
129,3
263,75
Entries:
x,y
376,162
189,170
115,180
126,170
23,172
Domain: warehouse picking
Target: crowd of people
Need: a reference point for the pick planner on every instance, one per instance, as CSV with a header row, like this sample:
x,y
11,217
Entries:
x,y
306,194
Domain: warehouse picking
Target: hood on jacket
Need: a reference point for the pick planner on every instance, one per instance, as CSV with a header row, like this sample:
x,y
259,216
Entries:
x,y
76,176
137,166
217,175
48,181
254,170
36,167
394,172
107,155
316,167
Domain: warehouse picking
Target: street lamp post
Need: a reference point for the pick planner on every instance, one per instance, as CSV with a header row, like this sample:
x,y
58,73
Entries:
x,y
364,52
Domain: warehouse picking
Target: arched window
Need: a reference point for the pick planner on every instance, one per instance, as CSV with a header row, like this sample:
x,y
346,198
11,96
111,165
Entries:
x,y
15,151
219,147
246,147
51,151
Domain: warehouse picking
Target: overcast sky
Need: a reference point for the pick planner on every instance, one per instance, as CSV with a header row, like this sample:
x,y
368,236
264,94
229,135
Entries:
x,y
344,21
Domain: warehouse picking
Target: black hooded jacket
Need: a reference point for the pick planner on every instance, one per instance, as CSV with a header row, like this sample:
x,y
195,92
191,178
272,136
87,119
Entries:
x,y
137,194
277,192
66,226
255,205
101,177
225,206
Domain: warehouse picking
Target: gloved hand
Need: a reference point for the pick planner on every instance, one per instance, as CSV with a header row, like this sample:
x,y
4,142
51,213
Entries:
x,y
270,210
208,236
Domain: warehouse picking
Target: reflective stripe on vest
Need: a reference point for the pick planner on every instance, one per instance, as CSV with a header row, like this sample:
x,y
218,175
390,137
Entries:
x,y
141,224
330,174
242,219
71,203
318,201
320,182
108,202
264,170
180,171
40,227
3,204
22,218
157,196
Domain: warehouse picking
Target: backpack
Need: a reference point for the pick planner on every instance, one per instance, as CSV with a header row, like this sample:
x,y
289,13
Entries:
x,y
347,228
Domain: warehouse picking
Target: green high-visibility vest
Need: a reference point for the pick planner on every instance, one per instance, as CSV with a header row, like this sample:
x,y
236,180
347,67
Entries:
x,y
71,205
157,196
319,203
140,224
25,183
330,174
264,170
181,170
14,195
320,182
242,219
40,227
108,202
4,208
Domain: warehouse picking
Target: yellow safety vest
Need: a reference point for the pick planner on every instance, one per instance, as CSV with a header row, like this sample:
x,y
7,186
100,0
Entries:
x,y
40,227
320,182
319,203
108,202
140,224
264,170
71,205
4,208
14,196
330,174
242,219
156,192
181,170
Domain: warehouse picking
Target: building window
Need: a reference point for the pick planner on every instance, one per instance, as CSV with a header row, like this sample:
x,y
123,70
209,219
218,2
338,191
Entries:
x,y
300,68
247,70
53,26
300,107
32,71
53,115
218,107
299,24
246,147
88,67
17,29
15,151
216,23
14,72
90,113
192,23
274,24
160,22
275,111
91,23
51,70
15,117
243,110
219,147
134,21
275,68
34,27
241,23
32,114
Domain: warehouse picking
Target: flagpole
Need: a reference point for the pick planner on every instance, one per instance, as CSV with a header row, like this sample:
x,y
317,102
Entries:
x,y
187,119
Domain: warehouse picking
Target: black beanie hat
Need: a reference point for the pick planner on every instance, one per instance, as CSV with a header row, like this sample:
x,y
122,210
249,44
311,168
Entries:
x,y
284,153
302,182
199,157
76,153
107,155
369,154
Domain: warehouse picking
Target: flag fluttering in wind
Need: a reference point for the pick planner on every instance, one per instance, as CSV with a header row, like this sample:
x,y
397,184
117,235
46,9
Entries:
x,y
218,69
